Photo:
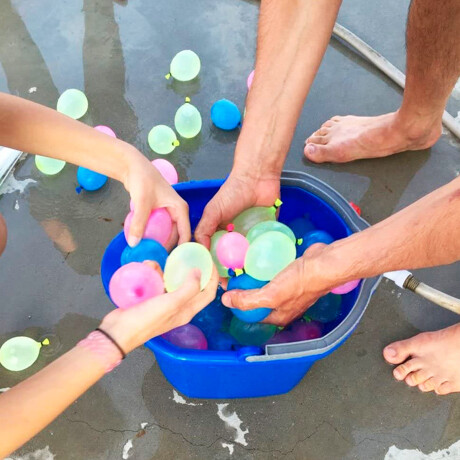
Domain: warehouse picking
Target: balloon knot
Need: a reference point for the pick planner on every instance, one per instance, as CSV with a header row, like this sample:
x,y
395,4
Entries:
x,y
231,272
278,203
300,241
280,328
168,76
239,125
230,227
238,271
307,319
176,143
45,342
78,190
187,99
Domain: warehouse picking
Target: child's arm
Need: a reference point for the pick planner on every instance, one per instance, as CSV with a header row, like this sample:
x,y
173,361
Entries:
x,y
31,405
36,129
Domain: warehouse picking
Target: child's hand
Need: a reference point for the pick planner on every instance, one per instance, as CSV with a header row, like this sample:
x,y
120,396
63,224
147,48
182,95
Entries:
x,y
135,325
149,190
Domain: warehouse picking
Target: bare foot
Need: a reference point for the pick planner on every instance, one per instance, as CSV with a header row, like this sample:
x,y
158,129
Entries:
x,y
429,360
349,138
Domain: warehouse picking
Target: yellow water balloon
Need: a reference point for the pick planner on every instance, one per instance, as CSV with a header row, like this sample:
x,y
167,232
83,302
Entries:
x,y
49,166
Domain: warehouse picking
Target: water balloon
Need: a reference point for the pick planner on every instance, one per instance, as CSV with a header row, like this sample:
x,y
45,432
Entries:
x,y
231,250
346,288
248,218
311,238
188,120
269,254
255,334
147,249
49,166
213,317
248,282
185,66
184,258
73,103
268,226
325,309
301,225
223,272
167,170
297,332
106,130
221,341
90,180
187,336
250,79
134,283
225,115
19,353
159,225
162,139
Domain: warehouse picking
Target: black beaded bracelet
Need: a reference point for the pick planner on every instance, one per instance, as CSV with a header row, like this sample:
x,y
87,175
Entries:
x,y
123,354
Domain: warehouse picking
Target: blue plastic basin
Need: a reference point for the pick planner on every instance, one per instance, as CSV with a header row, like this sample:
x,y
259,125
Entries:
x,y
251,371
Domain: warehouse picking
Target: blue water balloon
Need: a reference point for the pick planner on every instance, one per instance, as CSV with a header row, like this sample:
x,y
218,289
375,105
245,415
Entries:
x,y
248,282
215,317
145,250
221,341
301,225
310,238
90,180
225,115
325,309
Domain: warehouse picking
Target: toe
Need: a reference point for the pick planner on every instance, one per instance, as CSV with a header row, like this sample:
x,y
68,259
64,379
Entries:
x,y
322,140
403,370
328,124
428,385
444,389
418,377
397,352
316,153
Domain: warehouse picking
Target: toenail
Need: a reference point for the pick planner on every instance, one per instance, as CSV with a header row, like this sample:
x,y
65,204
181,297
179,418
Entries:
x,y
311,149
390,352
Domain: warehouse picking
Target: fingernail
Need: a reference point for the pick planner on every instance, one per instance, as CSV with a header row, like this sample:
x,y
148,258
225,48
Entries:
x,y
196,273
390,351
311,149
227,300
133,241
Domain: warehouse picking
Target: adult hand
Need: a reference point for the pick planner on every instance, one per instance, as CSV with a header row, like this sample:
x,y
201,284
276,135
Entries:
x,y
239,192
133,326
149,190
290,293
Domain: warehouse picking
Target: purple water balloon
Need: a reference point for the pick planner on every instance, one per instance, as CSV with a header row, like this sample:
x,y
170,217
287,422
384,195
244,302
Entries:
x,y
296,332
187,336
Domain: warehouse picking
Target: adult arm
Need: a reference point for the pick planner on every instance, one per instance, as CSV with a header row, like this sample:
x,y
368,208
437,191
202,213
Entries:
x,y
292,38
39,130
424,234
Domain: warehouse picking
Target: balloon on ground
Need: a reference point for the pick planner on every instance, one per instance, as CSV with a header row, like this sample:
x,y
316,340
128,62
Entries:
x,y
346,288
19,353
134,283
187,336
49,166
225,115
250,79
167,170
247,282
73,103
185,66
159,225
90,180
162,139
182,260
106,130
188,120
147,249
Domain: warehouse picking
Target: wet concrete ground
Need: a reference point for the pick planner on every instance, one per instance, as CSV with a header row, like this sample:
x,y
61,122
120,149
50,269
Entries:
x,y
348,406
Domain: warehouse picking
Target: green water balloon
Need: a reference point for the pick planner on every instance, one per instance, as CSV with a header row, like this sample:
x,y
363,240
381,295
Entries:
x,y
269,254
183,259
162,139
251,334
188,120
248,218
185,66
73,103
223,272
49,166
19,353
270,226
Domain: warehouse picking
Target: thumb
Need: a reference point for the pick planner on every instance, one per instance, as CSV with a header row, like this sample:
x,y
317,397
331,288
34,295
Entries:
x,y
191,286
138,223
247,300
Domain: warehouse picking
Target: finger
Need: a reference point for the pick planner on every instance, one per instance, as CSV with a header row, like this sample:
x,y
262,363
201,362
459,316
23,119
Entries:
x,y
206,296
208,224
190,287
155,265
173,239
278,318
138,223
182,219
247,300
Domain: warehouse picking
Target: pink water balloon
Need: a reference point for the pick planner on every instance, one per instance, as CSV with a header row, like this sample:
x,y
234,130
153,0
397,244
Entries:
x,y
345,288
159,225
106,130
231,250
134,283
297,332
167,170
250,78
187,336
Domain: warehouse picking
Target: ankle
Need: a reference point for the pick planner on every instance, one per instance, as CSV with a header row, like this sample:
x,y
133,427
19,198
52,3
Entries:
x,y
418,127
